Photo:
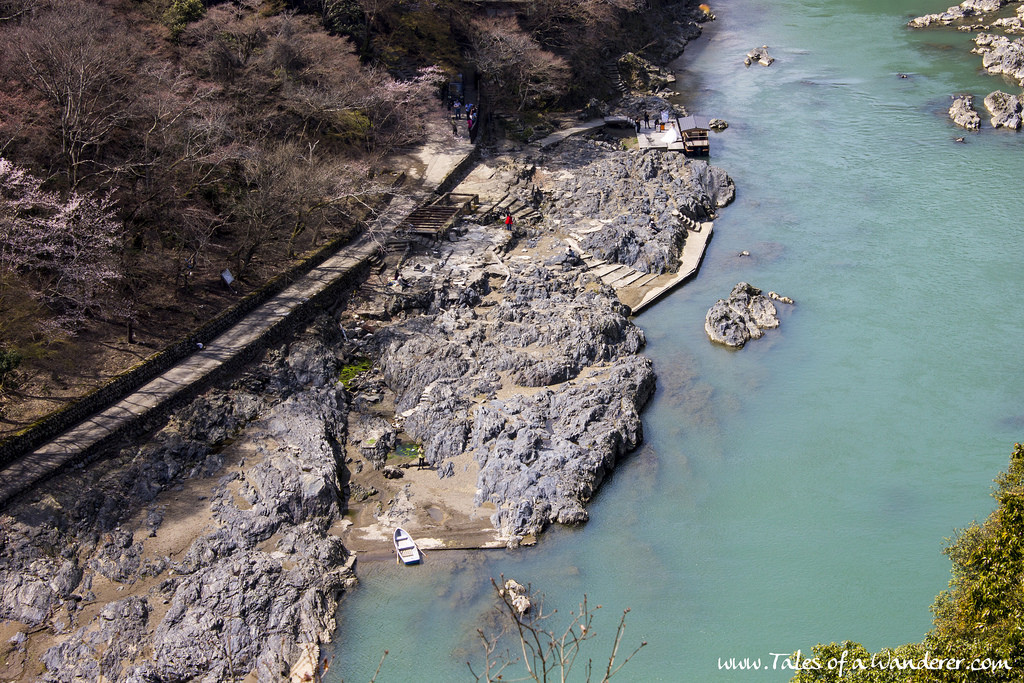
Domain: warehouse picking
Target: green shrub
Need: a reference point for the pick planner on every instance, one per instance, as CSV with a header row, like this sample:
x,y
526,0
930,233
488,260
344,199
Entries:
x,y
181,13
353,370
9,361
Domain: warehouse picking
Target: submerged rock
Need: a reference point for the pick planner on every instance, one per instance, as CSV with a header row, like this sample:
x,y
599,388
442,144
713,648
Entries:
x,y
743,316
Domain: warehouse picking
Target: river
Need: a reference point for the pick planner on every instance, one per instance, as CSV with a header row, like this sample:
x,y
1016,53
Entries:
x,y
799,490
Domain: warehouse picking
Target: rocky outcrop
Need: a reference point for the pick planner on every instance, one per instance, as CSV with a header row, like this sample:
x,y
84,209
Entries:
x,y
968,8
962,112
639,75
542,384
1000,55
1011,24
742,317
759,55
257,587
627,207
1005,109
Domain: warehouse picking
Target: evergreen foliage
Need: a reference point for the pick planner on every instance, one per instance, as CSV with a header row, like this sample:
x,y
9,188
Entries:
x,y
181,13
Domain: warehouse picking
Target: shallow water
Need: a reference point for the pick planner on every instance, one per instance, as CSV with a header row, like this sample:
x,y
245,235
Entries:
x,y
799,490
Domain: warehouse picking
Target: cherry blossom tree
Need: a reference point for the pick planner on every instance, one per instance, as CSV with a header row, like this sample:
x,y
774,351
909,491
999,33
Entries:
x,y
64,247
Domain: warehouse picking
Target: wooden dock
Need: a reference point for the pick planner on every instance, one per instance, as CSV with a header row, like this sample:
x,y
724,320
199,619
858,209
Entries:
x,y
637,289
665,137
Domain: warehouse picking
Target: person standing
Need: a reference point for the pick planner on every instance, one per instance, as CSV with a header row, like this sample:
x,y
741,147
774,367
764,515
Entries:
x,y
458,109
647,119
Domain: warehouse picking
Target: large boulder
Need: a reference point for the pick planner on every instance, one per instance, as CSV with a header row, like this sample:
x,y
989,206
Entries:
x,y
962,112
1005,109
743,316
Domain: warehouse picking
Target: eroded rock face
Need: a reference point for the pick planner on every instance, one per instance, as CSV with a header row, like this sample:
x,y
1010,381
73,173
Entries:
x,y
543,386
962,112
1005,109
256,587
742,317
627,207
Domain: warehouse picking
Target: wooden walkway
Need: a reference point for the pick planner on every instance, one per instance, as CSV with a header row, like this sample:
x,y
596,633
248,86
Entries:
x,y
637,289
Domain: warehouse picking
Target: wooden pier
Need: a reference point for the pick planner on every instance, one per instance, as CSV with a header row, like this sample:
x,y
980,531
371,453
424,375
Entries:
x,y
688,135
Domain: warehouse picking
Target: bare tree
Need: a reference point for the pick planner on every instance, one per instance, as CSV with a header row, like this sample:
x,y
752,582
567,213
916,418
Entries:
x,y
546,654
15,10
519,71
87,80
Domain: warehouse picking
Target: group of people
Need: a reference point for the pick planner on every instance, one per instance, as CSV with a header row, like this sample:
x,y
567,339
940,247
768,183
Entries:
x,y
645,117
471,118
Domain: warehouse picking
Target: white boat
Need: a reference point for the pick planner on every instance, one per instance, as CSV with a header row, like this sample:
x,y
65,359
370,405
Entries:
x,y
408,552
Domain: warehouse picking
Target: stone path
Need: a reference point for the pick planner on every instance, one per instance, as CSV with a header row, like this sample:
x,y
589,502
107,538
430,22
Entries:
x,y
436,162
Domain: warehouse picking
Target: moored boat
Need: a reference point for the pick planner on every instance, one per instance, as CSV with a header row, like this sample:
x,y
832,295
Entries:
x,y
406,548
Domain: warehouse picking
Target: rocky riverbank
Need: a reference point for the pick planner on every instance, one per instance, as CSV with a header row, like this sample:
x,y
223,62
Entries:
x,y
474,390
202,554
219,546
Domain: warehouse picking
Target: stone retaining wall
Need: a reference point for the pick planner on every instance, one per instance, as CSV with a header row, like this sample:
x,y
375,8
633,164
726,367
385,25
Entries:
x,y
125,383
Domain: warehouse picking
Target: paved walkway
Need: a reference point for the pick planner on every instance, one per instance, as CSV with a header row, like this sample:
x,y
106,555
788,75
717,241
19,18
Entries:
x,y
435,161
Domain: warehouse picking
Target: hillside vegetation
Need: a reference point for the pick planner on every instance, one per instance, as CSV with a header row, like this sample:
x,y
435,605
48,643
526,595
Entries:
x,y
148,145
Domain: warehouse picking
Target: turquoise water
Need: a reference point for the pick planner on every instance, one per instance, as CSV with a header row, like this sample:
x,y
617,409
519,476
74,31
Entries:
x,y
799,490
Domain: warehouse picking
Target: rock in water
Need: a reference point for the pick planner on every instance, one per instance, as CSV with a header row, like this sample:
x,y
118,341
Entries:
x,y
1005,109
1000,55
968,8
743,316
963,114
759,55
518,596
